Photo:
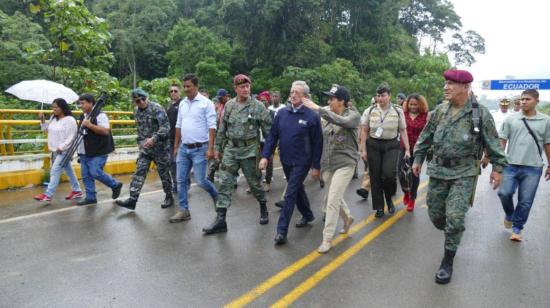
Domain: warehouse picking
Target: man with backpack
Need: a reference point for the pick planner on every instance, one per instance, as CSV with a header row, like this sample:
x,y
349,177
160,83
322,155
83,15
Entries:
x,y
458,131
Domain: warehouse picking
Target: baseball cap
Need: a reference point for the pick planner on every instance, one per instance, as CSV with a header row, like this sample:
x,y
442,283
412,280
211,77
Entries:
x,y
339,92
221,93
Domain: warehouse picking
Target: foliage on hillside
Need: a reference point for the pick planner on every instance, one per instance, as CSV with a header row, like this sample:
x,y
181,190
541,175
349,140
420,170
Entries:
x,y
114,45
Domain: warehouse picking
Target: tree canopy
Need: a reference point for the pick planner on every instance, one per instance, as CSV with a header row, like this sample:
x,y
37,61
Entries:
x,y
115,45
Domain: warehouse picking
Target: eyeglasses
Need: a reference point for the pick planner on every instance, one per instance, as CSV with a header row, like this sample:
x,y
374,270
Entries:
x,y
174,91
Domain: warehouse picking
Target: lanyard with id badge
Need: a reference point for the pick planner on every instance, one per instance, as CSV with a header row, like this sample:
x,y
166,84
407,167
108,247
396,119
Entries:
x,y
380,130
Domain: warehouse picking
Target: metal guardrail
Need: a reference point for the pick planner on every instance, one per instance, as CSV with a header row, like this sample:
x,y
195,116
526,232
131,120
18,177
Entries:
x,y
48,111
24,141
8,133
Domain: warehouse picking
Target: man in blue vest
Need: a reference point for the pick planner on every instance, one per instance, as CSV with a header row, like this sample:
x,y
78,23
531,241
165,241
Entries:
x,y
298,132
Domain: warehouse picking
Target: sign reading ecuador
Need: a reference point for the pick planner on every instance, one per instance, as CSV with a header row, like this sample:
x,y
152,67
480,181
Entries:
x,y
516,84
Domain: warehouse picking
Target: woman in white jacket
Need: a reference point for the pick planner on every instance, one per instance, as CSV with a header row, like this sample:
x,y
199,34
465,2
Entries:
x,y
62,130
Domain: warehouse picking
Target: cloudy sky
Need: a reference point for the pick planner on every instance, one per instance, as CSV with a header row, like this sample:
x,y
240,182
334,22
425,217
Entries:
x,y
516,39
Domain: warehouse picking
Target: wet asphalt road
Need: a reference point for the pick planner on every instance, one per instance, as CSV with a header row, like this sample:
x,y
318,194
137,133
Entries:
x,y
105,256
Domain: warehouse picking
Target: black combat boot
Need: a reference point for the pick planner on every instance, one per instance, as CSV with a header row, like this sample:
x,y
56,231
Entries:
x,y
445,272
280,204
128,203
264,218
219,225
168,201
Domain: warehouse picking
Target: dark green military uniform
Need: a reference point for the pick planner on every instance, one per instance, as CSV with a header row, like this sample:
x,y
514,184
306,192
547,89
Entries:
x,y
152,122
455,166
239,140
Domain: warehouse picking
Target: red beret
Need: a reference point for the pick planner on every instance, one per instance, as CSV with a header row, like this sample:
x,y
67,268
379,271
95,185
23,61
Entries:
x,y
459,76
241,79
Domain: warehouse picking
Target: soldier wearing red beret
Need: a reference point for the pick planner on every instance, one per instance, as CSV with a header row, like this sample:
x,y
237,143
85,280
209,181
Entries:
x,y
458,131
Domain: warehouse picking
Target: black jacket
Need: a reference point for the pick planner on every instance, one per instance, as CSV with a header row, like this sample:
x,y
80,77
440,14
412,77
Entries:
x,y
96,144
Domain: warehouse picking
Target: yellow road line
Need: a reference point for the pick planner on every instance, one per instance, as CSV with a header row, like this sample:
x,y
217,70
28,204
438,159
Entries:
x,y
72,207
324,272
295,267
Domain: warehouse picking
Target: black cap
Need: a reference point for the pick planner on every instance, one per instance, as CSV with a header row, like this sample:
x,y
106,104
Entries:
x,y
338,92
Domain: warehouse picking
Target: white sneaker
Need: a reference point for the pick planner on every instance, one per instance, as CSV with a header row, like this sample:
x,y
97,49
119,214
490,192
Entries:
x,y
325,247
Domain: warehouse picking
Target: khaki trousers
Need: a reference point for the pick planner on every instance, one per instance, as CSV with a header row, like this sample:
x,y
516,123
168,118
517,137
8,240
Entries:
x,y
366,178
334,206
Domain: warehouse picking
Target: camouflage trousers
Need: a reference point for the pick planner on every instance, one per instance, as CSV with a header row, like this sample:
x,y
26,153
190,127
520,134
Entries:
x,y
230,166
448,201
162,160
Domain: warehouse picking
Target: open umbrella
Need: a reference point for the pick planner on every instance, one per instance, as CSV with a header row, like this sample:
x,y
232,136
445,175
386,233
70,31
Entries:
x,y
43,91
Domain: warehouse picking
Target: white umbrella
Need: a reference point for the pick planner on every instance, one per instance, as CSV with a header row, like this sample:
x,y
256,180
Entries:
x,y
43,91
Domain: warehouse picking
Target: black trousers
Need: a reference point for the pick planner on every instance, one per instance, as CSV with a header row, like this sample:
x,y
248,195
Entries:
x,y
382,156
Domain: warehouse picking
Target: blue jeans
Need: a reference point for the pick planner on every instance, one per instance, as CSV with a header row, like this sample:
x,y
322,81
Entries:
x,y
55,174
196,159
526,180
91,169
295,195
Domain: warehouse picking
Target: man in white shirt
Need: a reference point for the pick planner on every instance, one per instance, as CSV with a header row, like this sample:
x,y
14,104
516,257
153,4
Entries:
x,y
275,103
194,143
500,115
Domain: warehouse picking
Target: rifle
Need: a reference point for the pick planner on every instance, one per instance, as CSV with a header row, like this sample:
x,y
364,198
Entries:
x,y
83,130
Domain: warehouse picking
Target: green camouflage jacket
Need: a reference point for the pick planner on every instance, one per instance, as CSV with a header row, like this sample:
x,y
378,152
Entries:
x,y
453,139
243,123
152,122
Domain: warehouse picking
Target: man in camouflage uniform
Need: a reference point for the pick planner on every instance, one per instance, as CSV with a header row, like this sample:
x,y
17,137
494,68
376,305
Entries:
x,y
238,138
153,131
458,131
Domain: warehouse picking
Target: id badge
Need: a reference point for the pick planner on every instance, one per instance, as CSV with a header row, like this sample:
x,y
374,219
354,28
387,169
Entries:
x,y
378,132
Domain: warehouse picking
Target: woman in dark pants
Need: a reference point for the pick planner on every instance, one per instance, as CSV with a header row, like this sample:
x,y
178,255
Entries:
x,y
381,126
416,113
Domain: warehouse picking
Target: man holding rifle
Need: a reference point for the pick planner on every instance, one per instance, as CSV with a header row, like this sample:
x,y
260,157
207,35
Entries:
x,y
97,143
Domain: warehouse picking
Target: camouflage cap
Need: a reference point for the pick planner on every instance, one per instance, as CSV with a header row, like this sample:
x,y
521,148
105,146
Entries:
x,y
139,93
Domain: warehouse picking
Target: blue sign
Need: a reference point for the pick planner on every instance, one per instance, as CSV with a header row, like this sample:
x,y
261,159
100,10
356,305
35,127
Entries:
x,y
516,84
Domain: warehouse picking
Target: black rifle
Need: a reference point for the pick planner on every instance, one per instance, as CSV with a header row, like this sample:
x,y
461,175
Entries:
x,y
83,130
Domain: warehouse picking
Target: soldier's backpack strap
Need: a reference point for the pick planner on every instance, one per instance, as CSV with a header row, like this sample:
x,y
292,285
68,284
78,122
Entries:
x,y
475,115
